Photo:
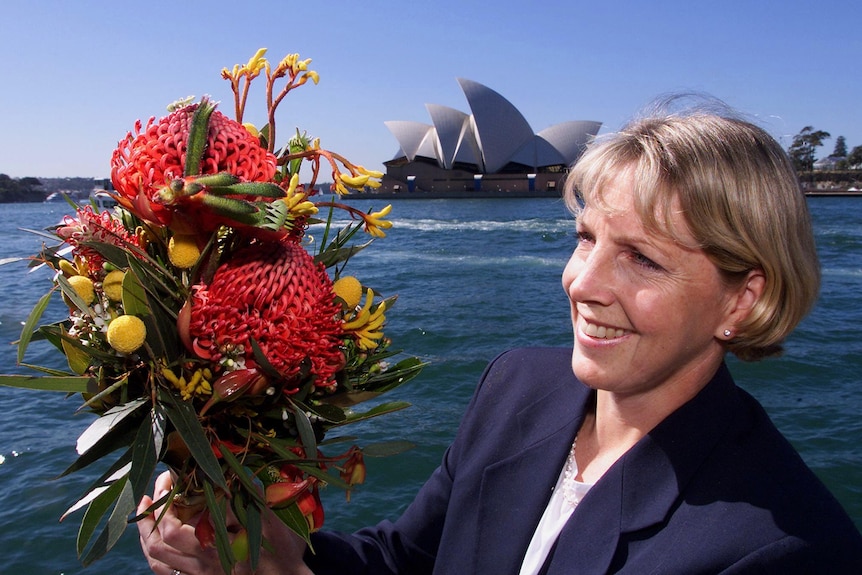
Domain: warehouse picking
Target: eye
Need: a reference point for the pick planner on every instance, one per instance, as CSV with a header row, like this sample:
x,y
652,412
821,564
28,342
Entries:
x,y
584,237
645,262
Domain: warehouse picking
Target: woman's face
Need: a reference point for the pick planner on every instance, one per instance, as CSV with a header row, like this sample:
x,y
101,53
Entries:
x,y
647,312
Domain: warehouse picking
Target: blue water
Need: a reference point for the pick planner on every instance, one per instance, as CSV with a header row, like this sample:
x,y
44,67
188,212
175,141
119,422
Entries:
x,y
474,277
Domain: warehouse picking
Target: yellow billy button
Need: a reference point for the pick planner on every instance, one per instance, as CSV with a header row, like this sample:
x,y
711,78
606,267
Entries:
x,y
112,285
83,286
349,289
183,251
127,333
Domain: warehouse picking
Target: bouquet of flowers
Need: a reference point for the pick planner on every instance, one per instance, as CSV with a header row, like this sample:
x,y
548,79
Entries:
x,y
208,331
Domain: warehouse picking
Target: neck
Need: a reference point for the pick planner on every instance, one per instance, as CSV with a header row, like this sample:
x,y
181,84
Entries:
x,y
617,422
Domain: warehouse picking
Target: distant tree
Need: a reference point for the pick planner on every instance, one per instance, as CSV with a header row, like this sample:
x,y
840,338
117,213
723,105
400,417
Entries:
x,y
20,190
30,182
840,147
854,158
804,144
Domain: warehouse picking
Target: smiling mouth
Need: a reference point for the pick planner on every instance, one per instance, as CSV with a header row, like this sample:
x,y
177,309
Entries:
x,y
602,332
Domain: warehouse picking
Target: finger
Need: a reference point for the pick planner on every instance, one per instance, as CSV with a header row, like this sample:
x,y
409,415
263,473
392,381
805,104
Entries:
x,y
164,483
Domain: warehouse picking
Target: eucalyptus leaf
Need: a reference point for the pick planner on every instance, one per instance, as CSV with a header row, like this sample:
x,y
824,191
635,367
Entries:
x,y
30,324
376,411
254,527
97,397
216,508
146,449
304,428
115,527
293,518
330,413
49,371
184,418
241,474
134,296
105,425
117,470
78,359
146,303
96,510
115,255
67,384
387,448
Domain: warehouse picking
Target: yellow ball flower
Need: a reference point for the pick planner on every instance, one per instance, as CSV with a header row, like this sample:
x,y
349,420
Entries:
x,y
83,286
127,333
349,289
112,285
183,251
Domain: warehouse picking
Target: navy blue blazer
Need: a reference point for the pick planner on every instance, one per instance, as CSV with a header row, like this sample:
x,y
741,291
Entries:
x,y
714,488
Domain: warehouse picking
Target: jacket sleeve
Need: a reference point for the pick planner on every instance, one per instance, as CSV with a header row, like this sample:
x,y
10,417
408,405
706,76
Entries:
x,y
408,545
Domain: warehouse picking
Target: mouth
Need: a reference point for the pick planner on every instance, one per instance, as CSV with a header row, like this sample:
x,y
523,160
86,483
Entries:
x,y
602,332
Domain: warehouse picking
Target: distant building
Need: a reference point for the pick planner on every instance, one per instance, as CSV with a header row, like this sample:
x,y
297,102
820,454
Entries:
x,y
493,149
829,162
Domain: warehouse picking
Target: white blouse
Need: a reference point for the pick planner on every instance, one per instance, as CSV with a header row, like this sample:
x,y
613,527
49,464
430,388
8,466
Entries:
x,y
568,492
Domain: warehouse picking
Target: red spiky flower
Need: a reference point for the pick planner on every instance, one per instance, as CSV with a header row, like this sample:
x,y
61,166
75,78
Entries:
x,y
88,226
149,160
276,294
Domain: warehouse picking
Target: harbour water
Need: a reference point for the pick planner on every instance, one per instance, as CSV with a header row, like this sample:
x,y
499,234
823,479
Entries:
x,y
474,277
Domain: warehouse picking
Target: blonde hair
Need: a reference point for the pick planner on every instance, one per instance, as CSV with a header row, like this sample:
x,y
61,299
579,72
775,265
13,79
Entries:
x,y
740,198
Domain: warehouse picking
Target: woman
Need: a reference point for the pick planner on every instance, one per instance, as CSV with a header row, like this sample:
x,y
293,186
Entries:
x,y
634,452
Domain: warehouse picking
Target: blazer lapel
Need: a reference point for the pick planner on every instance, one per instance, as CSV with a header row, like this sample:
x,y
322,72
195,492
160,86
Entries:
x,y
515,491
639,490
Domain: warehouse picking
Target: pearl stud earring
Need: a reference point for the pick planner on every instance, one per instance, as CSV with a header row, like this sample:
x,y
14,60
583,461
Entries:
x,y
727,333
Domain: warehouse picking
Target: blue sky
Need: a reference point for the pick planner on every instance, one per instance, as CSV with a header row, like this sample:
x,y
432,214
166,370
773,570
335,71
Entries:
x,y
78,74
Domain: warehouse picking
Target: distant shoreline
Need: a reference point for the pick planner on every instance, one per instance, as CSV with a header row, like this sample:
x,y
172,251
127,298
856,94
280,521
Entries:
x,y
499,194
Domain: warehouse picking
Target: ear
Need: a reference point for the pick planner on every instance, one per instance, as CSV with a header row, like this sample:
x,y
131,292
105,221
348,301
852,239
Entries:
x,y
743,300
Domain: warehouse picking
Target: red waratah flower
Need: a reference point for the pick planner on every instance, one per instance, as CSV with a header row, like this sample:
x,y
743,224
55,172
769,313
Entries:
x,y
147,161
275,293
88,226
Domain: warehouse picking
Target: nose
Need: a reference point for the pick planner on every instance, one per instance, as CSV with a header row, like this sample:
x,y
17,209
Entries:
x,y
588,277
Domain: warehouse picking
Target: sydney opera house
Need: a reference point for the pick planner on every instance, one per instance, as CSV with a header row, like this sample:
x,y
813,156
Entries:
x,y
491,150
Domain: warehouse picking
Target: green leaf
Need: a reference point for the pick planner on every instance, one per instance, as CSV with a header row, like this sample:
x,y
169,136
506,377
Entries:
x,y
67,384
184,418
196,144
79,359
112,253
241,474
376,411
282,447
254,526
330,413
95,399
134,296
115,527
232,208
47,370
253,189
96,510
396,375
114,429
146,449
217,515
303,426
30,324
387,448
147,303
294,520
118,469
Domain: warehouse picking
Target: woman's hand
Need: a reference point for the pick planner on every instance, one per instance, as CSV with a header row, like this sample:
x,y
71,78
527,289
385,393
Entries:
x,y
172,546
